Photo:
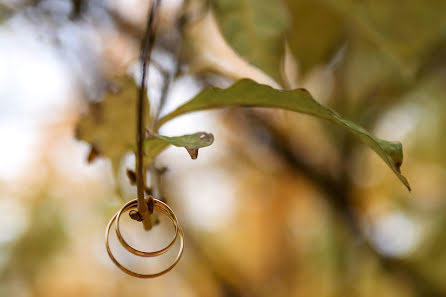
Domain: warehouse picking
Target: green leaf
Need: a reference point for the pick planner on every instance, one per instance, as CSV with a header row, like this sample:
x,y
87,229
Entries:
x,y
316,32
156,143
249,93
110,126
255,29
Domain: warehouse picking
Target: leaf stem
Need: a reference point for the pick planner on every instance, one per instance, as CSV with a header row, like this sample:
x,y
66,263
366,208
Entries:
x,y
145,208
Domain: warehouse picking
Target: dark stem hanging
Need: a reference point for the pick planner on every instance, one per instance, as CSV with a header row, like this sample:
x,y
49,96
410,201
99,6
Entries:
x,y
145,208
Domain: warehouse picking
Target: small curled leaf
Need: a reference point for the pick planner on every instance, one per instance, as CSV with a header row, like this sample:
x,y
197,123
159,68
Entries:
x,y
156,143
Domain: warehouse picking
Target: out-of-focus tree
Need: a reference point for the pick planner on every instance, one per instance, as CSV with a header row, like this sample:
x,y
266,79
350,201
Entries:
x,y
281,204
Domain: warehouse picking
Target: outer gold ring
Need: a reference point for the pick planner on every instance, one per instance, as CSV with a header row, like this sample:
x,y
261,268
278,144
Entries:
x,y
157,204
152,275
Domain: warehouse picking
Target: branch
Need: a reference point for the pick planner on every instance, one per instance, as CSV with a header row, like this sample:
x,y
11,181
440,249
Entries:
x,y
144,208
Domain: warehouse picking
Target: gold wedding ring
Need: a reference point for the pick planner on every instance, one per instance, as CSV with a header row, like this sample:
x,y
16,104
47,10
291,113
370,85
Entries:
x,y
164,208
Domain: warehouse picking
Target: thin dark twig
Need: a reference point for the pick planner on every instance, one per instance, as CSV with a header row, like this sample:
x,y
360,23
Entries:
x,y
144,208
78,7
164,89
163,98
155,174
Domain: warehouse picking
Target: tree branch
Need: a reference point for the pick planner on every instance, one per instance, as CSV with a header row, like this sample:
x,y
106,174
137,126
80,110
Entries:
x,y
145,208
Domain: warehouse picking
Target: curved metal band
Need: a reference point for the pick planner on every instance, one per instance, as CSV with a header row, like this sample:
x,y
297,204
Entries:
x,y
141,275
164,208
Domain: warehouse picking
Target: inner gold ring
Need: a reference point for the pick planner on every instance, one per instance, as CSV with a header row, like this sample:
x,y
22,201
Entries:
x,y
164,208
171,215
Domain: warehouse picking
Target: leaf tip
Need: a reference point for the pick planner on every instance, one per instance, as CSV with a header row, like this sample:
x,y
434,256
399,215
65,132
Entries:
x,y
404,180
407,185
207,137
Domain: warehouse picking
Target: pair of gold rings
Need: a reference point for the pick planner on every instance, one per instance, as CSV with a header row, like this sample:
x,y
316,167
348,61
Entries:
x,y
163,208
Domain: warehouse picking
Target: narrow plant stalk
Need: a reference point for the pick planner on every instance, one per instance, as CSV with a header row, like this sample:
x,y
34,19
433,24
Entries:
x,y
164,90
145,208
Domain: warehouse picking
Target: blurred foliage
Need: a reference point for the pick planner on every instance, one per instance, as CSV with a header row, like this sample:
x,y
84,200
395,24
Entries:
x,y
44,237
255,29
37,246
316,32
406,33
110,126
281,204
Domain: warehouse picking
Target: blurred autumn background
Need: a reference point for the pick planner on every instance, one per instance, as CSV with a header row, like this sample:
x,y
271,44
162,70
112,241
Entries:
x,y
282,204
